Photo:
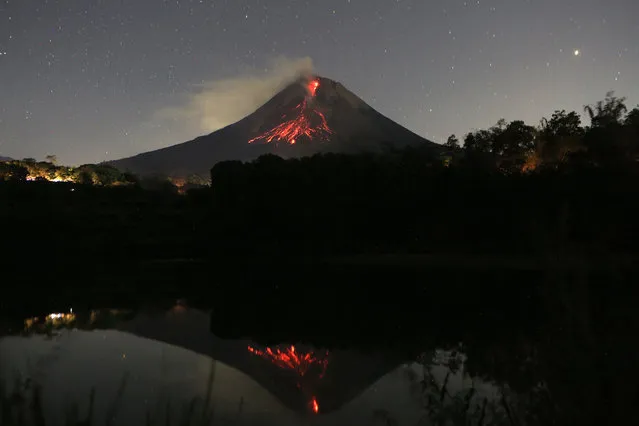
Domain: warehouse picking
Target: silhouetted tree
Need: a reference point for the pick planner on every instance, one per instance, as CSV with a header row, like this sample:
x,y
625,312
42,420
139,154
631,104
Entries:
x,y
10,171
512,144
604,140
452,142
559,137
158,183
85,177
479,142
478,147
631,124
632,118
610,111
562,124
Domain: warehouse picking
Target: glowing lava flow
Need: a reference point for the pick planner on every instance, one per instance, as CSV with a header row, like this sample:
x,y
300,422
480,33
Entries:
x,y
291,359
299,362
312,87
307,122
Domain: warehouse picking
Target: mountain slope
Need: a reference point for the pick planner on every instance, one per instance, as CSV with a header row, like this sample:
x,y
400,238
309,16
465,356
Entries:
x,y
309,116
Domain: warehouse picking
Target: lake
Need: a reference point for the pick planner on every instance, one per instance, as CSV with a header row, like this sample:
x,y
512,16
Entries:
x,y
136,367
315,346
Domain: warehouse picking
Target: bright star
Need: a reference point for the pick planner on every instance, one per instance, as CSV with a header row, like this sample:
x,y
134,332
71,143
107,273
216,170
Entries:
x,y
577,52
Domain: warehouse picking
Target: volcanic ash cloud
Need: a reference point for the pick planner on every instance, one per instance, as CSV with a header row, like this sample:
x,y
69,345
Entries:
x,y
219,103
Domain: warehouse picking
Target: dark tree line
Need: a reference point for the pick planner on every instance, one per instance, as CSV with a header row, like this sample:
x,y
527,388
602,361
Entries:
x,y
611,140
513,188
49,171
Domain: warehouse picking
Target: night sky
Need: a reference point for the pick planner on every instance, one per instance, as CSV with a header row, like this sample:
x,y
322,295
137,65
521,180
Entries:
x,y
90,80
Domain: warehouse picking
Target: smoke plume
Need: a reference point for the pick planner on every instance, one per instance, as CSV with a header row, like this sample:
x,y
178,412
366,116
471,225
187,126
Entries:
x,y
219,103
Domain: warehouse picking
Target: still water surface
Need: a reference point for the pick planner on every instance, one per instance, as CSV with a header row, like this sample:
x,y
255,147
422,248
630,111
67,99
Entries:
x,y
147,366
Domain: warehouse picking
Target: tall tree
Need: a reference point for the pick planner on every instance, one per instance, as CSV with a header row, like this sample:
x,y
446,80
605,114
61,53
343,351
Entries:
x,y
452,142
631,125
478,150
13,172
559,136
513,144
479,141
607,112
604,140
632,118
562,124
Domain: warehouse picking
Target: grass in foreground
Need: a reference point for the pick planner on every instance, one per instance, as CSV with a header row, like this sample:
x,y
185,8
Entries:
x,y
24,406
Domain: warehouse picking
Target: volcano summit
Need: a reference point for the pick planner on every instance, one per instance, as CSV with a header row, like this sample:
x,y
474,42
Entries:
x,y
311,115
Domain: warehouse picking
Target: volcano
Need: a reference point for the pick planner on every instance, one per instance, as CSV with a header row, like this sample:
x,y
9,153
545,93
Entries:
x,y
309,116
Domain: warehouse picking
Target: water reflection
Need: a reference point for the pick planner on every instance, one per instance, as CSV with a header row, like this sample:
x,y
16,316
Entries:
x,y
144,367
